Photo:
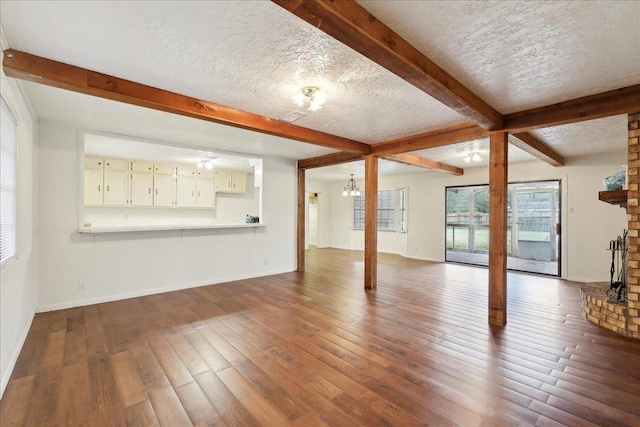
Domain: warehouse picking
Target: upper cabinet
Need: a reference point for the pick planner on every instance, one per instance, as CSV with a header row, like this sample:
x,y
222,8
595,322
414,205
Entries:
x,y
118,182
93,187
141,167
116,165
230,181
163,169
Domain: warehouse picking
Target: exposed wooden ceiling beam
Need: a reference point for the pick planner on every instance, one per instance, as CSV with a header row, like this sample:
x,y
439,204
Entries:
x,y
412,159
351,24
625,100
328,160
532,145
437,138
36,69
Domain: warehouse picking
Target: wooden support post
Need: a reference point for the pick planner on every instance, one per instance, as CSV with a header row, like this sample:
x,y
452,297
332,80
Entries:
x,y
301,220
371,222
498,229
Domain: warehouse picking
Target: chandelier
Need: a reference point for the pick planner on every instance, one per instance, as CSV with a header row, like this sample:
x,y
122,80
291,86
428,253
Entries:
x,y
473,156
351,189
311,95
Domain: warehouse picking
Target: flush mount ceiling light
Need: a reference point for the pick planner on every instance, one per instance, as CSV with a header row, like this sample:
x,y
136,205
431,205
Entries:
x,y
314,95
473,156
206,163
351,189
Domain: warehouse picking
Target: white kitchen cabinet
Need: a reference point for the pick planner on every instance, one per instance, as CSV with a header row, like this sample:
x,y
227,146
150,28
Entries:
x,y
116,165
116,184
186,171
205,173
141,167
185,192
238,182
205,193
93,163
93,187
230,181
163,168
223,181
141,189
164,191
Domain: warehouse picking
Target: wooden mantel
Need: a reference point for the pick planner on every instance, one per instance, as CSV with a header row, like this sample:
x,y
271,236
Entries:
x,y
616,197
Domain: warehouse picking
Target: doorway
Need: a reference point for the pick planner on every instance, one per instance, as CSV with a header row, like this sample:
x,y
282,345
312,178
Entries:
x,y
533,226
313,219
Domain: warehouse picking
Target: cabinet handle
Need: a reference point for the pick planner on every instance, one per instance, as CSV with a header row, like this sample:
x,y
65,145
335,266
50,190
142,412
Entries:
x,y
149,191
98,188
198,194
192,194
107,188
156,191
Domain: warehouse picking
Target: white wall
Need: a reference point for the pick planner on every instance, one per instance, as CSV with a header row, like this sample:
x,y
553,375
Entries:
x,y
586,231
18,279
121,265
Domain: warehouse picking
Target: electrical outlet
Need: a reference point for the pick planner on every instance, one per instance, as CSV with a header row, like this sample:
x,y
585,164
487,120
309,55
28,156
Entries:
x,y
572,210
82,286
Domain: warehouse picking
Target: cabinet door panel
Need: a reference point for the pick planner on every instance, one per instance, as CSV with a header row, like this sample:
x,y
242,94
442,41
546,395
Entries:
x,y
238,182
116,165
115,188
163,190
163,169
141,194
223,181
185,192
188,171
206,194
205,173
92,187
93,162
141,167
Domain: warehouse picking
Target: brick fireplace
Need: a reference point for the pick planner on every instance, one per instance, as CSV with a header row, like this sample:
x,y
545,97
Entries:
x,y
622,318
633,220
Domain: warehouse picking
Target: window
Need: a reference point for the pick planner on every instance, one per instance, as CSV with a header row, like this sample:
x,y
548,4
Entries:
x,y
8,181
402,195
358,212
387,210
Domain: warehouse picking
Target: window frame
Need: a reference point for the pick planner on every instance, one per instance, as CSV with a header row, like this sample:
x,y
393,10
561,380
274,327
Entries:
x,y
358,208
5,105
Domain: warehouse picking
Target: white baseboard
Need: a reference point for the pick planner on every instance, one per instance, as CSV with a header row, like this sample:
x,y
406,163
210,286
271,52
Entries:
x,y
145,292
16,352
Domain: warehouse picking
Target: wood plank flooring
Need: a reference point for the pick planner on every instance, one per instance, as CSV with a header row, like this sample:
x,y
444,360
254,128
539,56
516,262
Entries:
x,y
315,349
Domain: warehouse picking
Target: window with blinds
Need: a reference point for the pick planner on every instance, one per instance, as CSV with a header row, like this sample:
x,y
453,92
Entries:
x,y
8,184
388,210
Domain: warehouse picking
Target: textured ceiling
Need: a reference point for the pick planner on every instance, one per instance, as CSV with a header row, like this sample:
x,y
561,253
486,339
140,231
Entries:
x,y
97,114
518,55
253,55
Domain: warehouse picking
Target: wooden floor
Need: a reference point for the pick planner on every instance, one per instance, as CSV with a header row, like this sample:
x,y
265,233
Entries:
x,y
315,349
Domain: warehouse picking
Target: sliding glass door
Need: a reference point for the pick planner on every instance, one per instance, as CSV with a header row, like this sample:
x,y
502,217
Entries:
x,y
533,230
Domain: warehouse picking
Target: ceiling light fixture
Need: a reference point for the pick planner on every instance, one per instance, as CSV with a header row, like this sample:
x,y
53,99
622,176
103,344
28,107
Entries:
x,y
473,156
351,189
206,163
315,96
